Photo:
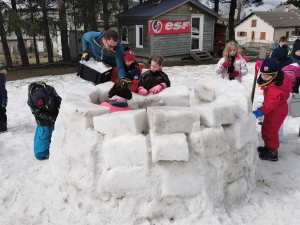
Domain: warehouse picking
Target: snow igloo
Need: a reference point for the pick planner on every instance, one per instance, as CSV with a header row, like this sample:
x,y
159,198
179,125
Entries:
x,y
181,153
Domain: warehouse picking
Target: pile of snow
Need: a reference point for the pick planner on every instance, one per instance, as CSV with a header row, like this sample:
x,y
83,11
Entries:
x,y
180,153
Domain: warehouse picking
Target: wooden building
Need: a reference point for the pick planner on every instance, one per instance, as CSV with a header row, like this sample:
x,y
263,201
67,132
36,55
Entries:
x,y
171,28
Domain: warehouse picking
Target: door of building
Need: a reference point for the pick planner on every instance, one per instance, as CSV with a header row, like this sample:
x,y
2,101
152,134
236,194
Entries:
x,y
196,32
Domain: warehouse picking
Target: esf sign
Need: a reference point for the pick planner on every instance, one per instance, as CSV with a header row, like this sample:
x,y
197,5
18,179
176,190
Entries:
x,y
169,26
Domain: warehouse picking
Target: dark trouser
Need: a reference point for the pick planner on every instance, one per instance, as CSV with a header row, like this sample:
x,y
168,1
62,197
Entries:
x,y
3,117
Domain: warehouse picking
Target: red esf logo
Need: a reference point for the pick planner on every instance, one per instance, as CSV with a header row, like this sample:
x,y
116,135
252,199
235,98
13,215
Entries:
x,y
169,26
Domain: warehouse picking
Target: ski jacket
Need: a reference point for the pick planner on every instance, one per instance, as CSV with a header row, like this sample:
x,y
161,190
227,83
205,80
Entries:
x,y
133,73
44,115
3,91
239,65
113,58
150,79
293,72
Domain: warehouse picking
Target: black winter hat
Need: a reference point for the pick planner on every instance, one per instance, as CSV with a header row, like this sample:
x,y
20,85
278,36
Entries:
x,y
280,53
269,67
296,45
40,97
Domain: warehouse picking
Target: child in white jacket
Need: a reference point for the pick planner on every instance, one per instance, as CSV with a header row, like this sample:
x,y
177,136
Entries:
x,y
232,66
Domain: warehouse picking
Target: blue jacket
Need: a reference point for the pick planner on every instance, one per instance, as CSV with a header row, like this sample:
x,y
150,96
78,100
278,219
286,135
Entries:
x,y
113,58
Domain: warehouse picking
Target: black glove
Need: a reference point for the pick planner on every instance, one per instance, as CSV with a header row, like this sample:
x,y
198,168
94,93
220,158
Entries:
x,y
86,55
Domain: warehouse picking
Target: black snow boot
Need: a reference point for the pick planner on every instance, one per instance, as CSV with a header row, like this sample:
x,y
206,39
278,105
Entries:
x,y
3,127
269,154
261,149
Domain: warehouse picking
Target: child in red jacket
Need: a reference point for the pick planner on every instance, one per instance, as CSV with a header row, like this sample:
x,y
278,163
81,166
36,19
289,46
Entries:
x,y
276,87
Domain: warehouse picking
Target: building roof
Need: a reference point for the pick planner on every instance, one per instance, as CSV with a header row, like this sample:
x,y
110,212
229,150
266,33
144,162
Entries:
x,y
285,8
276,19
151,10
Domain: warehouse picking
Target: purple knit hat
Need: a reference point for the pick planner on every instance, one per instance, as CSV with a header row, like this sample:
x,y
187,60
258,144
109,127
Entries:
x,y
40,97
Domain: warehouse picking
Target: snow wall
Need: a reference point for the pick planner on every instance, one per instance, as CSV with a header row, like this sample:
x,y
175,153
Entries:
x,y
179,154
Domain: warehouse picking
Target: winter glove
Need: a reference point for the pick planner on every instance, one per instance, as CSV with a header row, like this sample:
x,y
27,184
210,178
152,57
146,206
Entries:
x,y
127,81
234,74
142,91
86,55
258,113
157,88
4,102
226,64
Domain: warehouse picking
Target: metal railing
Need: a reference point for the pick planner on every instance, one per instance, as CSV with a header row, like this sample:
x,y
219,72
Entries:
x,y
248,42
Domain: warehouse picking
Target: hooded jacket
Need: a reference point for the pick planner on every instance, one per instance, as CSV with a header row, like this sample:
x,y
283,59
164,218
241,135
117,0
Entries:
x,y
113,58
44,115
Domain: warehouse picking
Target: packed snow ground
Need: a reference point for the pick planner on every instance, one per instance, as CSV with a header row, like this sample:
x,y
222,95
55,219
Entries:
x,y
28,193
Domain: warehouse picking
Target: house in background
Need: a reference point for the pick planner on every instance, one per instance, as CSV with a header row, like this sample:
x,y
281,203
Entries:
x,y
285,8
171,28
267,27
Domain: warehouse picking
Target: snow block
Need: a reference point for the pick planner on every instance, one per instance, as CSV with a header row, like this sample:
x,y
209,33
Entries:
x,y
208,142
122,181
181,179
169,147
236,189
103,90
126,150
89,91
243,101
78,116
217,113
71,97
165,120
119,123
241,132
175,96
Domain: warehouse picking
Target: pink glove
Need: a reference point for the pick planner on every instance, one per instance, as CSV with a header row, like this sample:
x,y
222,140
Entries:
x,y
234,74
226,64
158,88
142,91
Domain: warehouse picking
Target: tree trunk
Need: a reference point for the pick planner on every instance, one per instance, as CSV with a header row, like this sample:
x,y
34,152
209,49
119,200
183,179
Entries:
x,y
37,58
105,15
239,9
64,31
5,45
231,21
47,34
18,32
216,8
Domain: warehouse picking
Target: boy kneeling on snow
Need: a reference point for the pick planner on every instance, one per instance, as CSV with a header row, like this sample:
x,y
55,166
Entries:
x,y
44,103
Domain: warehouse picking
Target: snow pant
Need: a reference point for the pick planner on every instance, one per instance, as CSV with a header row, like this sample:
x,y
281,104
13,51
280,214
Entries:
x,y
42,140
270,127
3,117
114,75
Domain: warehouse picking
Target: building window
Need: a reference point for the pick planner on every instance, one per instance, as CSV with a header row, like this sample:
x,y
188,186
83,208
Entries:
x,y
242,34
124,35
139,36
253,24
262,35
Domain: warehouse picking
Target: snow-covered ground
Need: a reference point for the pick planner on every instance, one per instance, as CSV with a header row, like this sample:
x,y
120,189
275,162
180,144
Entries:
x,y
28,193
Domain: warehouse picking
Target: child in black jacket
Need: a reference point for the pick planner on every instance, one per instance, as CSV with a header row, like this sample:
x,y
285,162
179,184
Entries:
x,y
44,103
154,80
3,100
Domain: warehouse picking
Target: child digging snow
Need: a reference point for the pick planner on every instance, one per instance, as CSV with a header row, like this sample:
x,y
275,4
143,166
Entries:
x,y
276,87
44,103
118,96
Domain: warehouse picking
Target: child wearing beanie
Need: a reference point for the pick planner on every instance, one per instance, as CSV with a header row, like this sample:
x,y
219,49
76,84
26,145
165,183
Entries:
x,y
118,96
3,100
276,87
132,69
44,103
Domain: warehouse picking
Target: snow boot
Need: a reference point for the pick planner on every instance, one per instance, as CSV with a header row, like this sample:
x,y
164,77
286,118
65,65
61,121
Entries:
x,y
3,127
261,149
269,154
